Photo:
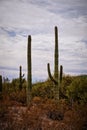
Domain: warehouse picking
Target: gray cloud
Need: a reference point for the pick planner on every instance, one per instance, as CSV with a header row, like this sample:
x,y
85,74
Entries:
x,y
11,33
66,8
20,18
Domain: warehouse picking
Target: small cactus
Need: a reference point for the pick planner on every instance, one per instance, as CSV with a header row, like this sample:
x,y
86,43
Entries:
x,y
20,78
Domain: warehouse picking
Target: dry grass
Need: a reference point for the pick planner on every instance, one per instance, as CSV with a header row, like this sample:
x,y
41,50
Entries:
x,y
15,116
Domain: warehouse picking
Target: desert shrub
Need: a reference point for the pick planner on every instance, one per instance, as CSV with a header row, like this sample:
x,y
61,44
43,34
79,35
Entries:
x,y
48,89
77,90
11,90
67,80
7,87
19,96
44,90
15,84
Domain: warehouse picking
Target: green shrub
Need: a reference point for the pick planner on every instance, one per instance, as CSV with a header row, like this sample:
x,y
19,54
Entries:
x,y
44,90
77,90
67,80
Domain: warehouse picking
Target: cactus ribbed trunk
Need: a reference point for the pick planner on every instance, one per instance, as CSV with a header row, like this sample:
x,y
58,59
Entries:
x,y
29,73
56,62
56,55
20,78
0,83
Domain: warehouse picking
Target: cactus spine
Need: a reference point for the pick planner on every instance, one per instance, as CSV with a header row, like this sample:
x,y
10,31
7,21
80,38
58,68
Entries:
x,y
0,83
29,73
56,64
20,78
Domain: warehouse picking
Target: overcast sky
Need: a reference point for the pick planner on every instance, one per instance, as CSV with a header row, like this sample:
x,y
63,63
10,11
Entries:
x,y
20,18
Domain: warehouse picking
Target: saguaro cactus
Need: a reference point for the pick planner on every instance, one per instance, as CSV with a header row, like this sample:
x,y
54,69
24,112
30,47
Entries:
x,y
0,83
56,64
56,55
56,59
20,78
57,79
29,71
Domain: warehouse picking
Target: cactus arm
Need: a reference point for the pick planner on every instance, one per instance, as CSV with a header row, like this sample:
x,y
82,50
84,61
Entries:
x,y
49,73
61,73
61,76
23,75
20,78
52,79
0,83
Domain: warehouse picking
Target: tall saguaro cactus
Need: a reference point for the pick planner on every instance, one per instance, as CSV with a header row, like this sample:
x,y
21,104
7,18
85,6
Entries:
x,y
29,71
56,64
0,83
57,79
56,55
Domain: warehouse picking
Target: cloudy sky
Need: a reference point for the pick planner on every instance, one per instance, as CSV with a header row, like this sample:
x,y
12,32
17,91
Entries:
x,y
20,18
